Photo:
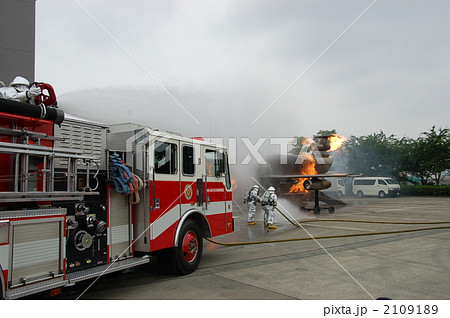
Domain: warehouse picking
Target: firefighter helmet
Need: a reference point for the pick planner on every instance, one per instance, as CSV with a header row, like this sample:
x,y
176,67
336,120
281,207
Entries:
x,y
19,80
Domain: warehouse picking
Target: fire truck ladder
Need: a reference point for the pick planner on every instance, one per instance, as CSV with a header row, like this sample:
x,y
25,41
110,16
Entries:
x,y
39,185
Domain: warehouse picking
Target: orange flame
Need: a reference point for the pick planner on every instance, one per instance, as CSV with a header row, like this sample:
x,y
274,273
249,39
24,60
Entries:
x,y
308,167
233,184
336,142
209,169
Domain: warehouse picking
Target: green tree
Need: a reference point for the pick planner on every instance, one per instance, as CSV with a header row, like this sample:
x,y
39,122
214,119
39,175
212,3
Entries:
x,y
374,155
428,156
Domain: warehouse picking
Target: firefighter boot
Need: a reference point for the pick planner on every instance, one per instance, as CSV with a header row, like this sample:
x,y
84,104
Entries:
x,y
271,226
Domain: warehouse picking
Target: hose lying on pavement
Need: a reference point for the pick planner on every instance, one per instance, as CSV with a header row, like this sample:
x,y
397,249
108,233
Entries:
x,y
325,237
298,224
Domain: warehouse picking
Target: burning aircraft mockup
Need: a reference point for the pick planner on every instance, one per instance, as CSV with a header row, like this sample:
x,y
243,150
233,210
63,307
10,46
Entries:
x,y
306,171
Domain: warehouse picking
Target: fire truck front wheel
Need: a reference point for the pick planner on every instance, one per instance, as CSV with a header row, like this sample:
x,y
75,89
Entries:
x,y
190,248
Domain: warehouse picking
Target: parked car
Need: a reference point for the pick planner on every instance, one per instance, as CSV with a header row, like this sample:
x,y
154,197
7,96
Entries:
x,y
375,186
337,187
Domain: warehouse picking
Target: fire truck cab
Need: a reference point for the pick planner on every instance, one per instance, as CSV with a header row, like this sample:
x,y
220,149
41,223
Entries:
x,y
69,212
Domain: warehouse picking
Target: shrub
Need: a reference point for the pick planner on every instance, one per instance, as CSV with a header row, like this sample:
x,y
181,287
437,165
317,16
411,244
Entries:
x,y
425,190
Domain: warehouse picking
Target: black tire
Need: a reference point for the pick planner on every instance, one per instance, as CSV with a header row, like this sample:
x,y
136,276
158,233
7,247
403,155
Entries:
x,y
360,194
190,248
331,210
381,194
165,261
316,210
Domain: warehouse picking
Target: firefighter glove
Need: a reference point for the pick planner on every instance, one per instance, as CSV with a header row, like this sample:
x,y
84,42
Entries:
x,y
34,91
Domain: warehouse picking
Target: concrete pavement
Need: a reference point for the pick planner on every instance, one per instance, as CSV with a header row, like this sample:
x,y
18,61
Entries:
x,y
399,266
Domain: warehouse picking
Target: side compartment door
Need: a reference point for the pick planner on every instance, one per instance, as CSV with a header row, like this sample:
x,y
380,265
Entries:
x,y
37,250
141,210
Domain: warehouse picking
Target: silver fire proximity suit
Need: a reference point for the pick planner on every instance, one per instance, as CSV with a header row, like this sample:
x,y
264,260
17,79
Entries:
x,y
19,90
251,204
268,203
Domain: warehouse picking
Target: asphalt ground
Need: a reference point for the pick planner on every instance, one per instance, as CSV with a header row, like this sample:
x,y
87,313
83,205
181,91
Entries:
x,y
402,266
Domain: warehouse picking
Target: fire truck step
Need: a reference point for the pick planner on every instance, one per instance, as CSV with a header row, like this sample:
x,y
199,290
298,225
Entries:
x,y
106,269
35,288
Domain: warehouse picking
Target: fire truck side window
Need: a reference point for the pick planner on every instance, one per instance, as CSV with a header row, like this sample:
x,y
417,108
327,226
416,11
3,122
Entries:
x,y
215,163
210,163
188,160
165,158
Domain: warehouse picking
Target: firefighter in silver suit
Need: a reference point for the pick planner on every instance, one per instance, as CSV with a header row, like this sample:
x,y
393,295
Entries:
x,y
268,203
20,91
251,200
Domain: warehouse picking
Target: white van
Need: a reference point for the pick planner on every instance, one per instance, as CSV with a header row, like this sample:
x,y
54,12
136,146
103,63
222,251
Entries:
x,y
375,186
337,187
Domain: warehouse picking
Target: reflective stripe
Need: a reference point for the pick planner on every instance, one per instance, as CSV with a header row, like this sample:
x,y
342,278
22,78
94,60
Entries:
x,y
164,222
173,215
215,208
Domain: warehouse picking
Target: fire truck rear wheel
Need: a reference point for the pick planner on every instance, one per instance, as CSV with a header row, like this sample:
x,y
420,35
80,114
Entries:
x,y
190,248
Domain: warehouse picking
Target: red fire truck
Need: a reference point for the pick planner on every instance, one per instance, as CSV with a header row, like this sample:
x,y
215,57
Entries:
x,y
79,199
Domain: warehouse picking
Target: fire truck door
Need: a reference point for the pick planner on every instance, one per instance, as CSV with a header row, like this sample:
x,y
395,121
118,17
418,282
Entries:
x,y
165,210
191,178
214,189
228,194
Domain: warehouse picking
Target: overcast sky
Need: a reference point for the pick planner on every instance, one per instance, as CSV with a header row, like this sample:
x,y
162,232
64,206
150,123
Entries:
x,y
226,62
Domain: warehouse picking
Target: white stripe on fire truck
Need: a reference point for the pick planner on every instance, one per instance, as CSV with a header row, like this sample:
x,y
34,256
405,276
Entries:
x,y
4,256
215,208
166,220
